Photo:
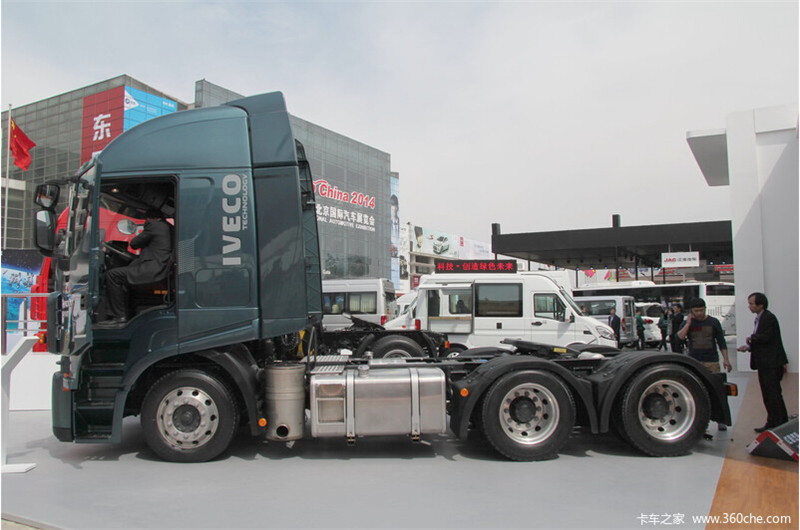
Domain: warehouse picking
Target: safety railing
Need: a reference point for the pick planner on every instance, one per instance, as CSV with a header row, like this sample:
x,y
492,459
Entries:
x,y
28,327
23,324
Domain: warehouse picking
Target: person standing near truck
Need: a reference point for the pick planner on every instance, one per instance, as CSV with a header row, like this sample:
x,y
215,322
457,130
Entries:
x,y
614,322
664,327
640,342
704,334
676,344
768,356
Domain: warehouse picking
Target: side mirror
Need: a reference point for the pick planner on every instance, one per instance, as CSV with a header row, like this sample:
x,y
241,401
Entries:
x,y
572,319
127,227
47,196
44,234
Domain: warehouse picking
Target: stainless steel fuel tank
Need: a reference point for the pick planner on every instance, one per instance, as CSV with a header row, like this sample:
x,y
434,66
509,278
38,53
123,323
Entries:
x,y
377,400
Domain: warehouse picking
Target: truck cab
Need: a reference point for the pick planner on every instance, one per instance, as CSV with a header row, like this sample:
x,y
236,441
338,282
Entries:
x,y
237,190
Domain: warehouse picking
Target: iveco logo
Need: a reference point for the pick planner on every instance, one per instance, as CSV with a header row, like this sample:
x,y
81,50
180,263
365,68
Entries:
x,y
234,218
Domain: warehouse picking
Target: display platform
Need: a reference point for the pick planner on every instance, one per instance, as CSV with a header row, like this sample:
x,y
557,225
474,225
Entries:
x,y
597,482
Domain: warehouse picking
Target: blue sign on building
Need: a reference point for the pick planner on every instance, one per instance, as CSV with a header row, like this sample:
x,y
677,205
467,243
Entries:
x,y
141,106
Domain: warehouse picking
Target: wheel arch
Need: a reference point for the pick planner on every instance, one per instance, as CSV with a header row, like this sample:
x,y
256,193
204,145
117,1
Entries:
x,y
619,372
480,380
235,364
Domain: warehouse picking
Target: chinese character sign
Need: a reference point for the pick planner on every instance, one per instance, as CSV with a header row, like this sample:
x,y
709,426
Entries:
x,y
475,266
102,121
680,259
108,114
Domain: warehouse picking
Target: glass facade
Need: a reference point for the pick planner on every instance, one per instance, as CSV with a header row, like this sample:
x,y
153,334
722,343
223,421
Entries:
x,y
353,185
352,180
57,127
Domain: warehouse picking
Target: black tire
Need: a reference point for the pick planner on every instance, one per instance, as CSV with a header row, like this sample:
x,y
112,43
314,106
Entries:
x,y
664,411
528,415
178,432
396,346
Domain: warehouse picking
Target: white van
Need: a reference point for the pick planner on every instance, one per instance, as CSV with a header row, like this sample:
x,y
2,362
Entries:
x,y
599,307
483,309
404,302
370,299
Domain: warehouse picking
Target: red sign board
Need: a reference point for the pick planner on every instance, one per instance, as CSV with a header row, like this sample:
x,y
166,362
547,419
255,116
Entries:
x,y
476,265
103,120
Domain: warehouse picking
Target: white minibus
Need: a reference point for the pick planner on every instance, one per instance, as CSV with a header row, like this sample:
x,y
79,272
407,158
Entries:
x,y
482,309
370,299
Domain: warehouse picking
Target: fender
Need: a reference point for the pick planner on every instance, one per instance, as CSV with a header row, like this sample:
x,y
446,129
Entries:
x,y
480,379
431,345
613,375
365,343
237,362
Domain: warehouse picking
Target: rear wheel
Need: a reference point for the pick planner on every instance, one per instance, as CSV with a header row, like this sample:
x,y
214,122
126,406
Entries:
x,y
528,415
396,346
189,416
664,411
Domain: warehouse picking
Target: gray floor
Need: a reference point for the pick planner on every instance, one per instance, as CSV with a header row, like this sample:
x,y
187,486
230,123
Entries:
x,y
597,482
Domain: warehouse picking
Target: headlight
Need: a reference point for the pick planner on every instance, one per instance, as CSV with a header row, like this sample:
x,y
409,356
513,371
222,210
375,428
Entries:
x,y
605,332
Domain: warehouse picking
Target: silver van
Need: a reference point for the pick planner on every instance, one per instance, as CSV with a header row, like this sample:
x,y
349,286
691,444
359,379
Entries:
x,y
600,307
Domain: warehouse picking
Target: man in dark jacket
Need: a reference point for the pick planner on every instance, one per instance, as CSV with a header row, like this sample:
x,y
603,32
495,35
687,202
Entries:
x,y
150,266
768,356
676,343
614,322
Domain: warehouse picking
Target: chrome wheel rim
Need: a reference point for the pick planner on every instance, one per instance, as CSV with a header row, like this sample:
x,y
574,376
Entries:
x,y
529,414
666,410
187,418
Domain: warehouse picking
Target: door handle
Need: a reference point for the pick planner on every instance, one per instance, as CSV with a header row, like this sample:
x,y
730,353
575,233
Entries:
x,y
537,323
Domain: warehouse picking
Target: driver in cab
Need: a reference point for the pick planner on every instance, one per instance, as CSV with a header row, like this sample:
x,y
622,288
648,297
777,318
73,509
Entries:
x,y
152,265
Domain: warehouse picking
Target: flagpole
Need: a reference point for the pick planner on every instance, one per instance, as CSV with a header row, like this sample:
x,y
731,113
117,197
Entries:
x,y
8,178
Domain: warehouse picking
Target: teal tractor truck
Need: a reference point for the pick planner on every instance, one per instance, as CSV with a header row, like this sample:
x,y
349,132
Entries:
x,y
231,337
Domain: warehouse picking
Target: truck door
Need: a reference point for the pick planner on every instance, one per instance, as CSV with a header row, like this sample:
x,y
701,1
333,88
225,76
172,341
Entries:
x,y
217,283
498,314
550,322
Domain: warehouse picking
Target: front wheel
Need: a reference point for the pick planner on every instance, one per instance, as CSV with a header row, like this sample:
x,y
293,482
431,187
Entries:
x,y
189,416
664,411
528,415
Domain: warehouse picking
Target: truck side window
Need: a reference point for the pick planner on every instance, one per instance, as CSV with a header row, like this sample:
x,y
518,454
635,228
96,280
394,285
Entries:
x,y
498,300
548,306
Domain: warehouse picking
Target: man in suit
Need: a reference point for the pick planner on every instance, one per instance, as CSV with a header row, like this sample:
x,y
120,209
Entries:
x,y
769,358
614,322
150,266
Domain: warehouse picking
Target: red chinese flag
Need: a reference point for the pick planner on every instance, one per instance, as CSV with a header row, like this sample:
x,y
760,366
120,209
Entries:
x,y
21,147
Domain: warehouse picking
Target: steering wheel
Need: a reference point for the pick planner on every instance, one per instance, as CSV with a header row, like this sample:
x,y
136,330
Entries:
x,y
127,256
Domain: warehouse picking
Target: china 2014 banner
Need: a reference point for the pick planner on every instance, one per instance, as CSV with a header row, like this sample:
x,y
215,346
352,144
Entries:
x,y
108,114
